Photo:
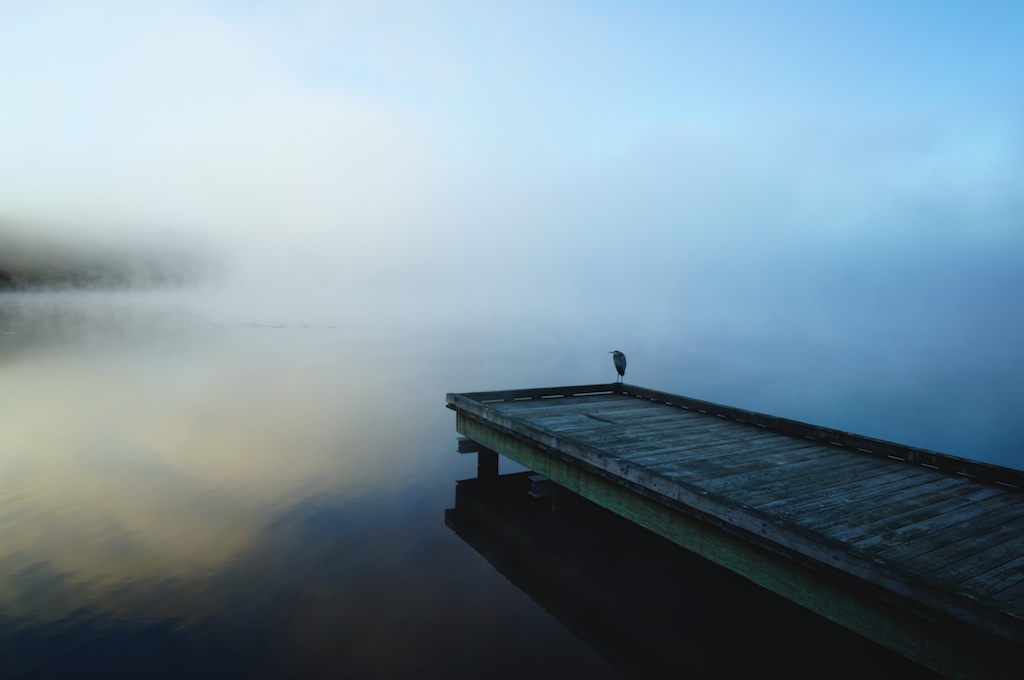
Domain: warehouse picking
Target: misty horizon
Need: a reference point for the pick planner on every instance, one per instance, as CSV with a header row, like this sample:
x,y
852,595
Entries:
x,y
247,248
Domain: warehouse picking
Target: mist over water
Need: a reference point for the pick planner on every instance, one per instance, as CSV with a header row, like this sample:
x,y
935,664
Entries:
x,y
248,474
917,342
246,249
199,470
187,493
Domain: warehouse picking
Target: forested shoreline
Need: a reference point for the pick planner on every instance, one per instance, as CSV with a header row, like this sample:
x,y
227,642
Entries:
x,y
28,263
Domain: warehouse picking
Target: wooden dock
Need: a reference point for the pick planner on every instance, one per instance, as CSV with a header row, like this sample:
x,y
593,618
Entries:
x,y
918,551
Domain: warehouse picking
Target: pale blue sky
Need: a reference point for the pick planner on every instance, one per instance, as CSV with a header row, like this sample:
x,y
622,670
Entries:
x,y
417,137
185,114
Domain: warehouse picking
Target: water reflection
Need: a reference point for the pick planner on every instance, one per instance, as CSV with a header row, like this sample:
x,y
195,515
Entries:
x,y
213,487
651,608
122,464
187,493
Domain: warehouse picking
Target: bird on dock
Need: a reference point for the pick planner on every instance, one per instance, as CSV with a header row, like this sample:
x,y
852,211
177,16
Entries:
x,y
620,363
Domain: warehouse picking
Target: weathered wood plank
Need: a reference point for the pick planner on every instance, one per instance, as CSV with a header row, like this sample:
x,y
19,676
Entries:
x,y
795,501
995,546
829,468
871,477
538,408
703,452
608,403
734,481
801,465
918,516
655,456
701,445
583,423
764,454
986,471
567,422
1012,596
633,418
867,519
533,407
981,562
655,424
963,534
721,440
541,392
653,459
997,579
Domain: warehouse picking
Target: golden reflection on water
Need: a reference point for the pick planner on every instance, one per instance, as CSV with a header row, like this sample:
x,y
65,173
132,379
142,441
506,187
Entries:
x,y
146,457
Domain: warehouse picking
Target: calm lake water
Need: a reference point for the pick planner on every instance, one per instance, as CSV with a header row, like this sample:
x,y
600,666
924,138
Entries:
x,y
198,487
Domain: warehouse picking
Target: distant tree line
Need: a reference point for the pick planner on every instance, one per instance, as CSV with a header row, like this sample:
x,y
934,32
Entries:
x,y
25,265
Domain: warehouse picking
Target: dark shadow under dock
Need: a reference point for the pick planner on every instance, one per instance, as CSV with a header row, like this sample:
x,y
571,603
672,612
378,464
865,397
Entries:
x,y
645,604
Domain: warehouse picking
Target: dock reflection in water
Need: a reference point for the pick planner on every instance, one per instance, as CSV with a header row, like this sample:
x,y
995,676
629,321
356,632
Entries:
x,y
649,607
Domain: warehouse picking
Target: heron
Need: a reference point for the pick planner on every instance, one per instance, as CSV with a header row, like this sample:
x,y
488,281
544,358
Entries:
x,y
620,363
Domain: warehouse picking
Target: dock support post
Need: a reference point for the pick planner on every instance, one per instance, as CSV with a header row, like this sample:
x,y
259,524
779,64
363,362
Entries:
x,y
486,459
